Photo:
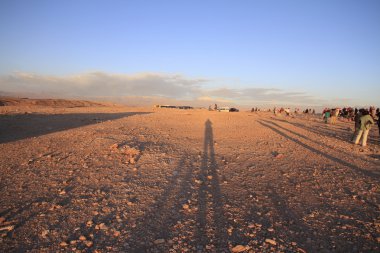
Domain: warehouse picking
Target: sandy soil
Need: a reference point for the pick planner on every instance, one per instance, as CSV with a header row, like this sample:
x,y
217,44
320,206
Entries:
x,y
114,179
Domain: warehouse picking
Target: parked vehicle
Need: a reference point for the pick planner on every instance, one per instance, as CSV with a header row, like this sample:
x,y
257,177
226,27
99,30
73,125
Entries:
x,y
228,109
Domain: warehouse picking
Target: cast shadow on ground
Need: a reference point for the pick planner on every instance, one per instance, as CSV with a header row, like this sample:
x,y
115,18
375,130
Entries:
x,y
316,151
197,187
318,133
338,133
18,127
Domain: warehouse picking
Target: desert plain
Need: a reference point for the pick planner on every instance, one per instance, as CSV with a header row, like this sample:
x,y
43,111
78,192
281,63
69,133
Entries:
x,y
91,177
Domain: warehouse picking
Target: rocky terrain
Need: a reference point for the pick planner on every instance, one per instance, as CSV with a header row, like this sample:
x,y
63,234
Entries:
x,y
87,177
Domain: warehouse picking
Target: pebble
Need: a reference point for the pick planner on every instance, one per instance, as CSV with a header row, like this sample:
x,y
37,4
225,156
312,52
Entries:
x,y
238,248
198,181
101,226
159,241
44,233
8,228
279,156
63,244
270,241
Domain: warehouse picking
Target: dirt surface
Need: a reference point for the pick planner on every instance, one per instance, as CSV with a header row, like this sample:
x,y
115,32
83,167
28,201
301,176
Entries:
x,y
116,179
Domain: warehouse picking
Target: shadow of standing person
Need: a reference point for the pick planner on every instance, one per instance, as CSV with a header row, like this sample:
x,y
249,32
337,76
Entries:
x,y
210,219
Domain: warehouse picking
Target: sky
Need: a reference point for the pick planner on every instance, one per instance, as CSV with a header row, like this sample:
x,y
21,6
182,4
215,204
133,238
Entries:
x,y
253,52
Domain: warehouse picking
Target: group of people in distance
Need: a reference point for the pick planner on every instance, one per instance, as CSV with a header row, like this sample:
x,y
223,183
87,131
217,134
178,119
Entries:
x,y
364,120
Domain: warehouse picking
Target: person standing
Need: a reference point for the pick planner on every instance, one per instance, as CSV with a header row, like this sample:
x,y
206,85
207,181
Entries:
x,y
378,119
357,123
326,115
366,122
334,115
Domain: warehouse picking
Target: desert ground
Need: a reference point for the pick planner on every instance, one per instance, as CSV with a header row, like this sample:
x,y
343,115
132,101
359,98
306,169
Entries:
x,y
88,177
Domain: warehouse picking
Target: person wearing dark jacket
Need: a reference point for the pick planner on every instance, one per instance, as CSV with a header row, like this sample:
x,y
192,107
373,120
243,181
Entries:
x,y
357,123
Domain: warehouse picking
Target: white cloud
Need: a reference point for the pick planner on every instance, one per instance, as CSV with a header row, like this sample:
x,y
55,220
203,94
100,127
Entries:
x,y
164,86
265,96
103,84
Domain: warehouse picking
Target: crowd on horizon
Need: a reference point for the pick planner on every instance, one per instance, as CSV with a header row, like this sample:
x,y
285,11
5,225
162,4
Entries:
x,y
364,119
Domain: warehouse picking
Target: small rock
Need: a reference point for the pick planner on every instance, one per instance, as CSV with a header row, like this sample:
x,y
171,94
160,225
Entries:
x,y
270,241
54,207
114,146
88,243
44,233
63,244
101,226
89,223
278,156
238,248
159,241
198,181
8,228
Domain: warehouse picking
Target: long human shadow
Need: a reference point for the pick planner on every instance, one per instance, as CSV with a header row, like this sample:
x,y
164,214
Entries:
x,y
168,210
328,156
316,132
210,185
18,127
338,134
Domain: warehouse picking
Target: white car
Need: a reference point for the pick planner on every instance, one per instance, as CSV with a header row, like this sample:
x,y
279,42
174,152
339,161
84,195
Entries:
x,y
224,109
228,109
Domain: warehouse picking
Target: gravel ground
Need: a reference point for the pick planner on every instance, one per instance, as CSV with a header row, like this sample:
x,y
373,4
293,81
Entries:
x,y
116,179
